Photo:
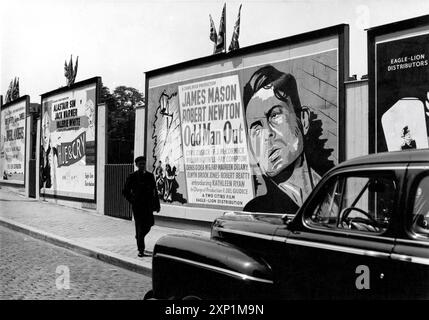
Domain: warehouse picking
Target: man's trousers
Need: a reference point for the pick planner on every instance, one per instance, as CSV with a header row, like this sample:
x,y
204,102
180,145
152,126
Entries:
x,y
142,229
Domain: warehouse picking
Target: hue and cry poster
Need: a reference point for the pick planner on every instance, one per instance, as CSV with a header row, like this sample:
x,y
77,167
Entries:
x,y
67,161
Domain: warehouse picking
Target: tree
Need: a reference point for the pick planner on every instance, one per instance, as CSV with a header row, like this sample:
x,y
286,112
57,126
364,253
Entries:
x,y
121,106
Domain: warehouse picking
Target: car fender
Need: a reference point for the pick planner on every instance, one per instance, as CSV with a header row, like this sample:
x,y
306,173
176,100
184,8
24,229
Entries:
x,y
203,262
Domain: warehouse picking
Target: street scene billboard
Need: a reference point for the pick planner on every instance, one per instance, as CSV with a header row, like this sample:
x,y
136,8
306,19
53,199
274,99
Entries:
x,y
398,69
68,141
253,132
402,93
12,141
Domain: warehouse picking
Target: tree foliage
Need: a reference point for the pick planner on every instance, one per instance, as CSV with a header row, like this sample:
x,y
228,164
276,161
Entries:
x,y
121,104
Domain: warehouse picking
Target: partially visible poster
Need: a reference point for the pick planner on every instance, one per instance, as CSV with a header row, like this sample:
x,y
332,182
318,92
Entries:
x,y
164,144
68,143
402,93
214,141
12,142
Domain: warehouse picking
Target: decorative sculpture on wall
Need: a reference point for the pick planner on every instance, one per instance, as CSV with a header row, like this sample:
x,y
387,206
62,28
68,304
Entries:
x,y
70,72
13,91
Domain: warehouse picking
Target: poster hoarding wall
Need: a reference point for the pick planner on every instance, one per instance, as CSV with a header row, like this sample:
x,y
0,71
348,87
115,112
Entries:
x,y
255,136
68,155
402,93
12,142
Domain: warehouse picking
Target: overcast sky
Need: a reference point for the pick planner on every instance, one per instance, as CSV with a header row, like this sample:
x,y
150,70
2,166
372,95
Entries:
x,y
120,40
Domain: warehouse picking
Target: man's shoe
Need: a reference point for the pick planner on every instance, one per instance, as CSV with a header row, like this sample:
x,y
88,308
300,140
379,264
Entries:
x,y
147,253
141,254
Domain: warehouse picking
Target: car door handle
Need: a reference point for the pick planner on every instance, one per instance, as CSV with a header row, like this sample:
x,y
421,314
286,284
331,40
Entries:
x,y
401,257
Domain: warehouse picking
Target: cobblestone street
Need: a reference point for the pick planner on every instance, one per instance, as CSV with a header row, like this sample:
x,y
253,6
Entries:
x,y
32,269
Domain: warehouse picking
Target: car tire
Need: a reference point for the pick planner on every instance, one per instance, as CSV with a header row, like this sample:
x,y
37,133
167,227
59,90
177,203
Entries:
x,y
148,295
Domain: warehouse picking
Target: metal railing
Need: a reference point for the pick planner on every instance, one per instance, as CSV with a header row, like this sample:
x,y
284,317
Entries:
x,y
115,205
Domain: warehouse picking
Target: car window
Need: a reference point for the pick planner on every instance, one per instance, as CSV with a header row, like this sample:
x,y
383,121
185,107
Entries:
x,y
420,216
326,211
359,203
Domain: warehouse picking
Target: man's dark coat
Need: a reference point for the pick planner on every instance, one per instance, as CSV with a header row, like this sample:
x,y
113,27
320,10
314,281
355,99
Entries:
x,y
140,191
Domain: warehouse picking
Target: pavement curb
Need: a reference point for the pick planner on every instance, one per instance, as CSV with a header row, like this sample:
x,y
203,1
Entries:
x,y
142,267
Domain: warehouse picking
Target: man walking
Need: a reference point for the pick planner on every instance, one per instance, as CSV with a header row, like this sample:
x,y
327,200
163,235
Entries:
x,y
140,191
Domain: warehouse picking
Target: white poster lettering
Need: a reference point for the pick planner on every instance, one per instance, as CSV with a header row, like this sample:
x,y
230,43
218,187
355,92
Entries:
x,y
215,143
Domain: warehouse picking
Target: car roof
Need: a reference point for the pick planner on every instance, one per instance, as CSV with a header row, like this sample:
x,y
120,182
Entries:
x,y
416,155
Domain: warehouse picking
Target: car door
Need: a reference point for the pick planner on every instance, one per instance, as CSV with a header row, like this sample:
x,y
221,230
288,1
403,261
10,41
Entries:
x,y
410,255
340,244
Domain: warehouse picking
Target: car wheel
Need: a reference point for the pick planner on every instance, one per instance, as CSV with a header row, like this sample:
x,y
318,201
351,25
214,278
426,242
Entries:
x,y
148,295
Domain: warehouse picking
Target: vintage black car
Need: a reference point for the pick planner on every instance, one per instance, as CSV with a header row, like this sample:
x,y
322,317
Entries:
x,y
362,233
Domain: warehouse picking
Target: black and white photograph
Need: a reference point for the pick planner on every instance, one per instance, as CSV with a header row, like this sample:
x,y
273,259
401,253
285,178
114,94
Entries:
x,y
229,153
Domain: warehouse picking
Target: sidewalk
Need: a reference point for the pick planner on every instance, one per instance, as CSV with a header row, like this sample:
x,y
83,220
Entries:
x,y
105,238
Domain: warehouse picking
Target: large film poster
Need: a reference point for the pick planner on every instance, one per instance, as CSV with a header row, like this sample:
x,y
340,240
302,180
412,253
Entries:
x,y
67,161
402,93
256,138
12,142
